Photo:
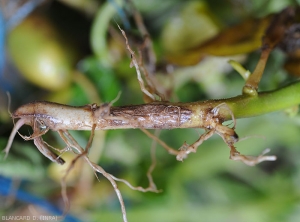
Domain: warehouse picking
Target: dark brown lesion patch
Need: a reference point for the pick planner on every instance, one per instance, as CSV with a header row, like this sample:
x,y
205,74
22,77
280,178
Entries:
x,y
152,116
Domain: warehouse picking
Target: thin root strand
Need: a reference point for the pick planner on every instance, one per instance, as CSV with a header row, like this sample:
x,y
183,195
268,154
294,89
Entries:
x,y
252,160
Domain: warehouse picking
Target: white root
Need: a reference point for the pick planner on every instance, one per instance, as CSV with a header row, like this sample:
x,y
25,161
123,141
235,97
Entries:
x,y
39,129
216,110
137,68
162,143
153,162
186,149
17,126
44,149
72,143
252,160
113,183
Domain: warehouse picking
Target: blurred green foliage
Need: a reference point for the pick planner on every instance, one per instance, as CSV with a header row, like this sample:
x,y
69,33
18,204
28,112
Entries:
x,y
205,187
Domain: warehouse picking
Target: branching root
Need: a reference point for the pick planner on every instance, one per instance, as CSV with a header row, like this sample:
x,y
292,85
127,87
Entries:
x,y
83,153
134,62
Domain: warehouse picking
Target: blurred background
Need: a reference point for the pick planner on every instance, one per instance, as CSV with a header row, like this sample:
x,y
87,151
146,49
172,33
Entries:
x,y
71,52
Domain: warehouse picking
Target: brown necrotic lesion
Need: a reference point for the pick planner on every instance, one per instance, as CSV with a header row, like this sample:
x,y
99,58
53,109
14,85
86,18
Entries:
x,y
152,116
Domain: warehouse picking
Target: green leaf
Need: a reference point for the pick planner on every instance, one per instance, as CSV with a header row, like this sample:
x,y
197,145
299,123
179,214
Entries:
x,y
23,162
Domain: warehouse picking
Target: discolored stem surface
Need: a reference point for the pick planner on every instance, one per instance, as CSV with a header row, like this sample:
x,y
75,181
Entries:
x,y
158,115
189,115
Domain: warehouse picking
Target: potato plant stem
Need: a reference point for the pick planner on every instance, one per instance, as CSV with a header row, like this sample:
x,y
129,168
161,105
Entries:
x,y
244,106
